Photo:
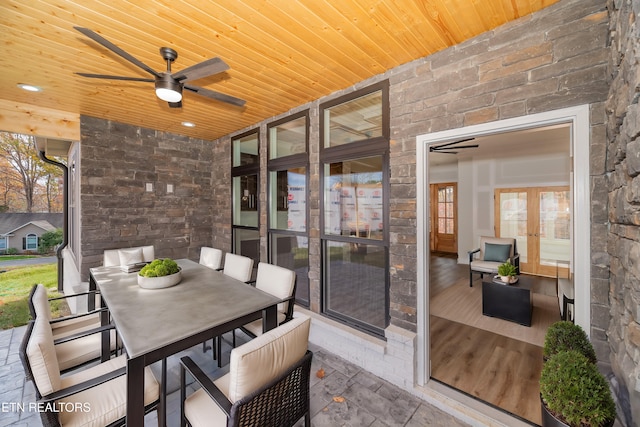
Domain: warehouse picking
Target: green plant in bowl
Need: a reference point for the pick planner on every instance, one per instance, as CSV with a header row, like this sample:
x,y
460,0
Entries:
x,y
574,392
159,268
563,336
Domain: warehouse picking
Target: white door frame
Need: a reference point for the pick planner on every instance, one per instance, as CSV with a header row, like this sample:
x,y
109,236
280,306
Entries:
x,y
578,118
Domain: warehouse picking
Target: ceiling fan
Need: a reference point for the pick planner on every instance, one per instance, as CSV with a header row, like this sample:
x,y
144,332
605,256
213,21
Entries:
x,y
444,148
169,86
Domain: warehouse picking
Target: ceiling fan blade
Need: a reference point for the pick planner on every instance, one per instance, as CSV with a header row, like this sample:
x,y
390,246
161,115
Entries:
x,y
104,76
455,148
115,49
175,104
202,69
452,143
216,95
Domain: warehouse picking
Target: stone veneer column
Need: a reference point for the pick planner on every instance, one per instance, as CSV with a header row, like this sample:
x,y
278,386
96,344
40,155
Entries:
x,y
623,185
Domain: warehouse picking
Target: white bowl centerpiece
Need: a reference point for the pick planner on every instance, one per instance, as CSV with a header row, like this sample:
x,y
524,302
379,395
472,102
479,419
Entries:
x,y
160,273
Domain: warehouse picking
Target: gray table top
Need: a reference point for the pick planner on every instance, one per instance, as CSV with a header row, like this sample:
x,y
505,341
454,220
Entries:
x,y
149,319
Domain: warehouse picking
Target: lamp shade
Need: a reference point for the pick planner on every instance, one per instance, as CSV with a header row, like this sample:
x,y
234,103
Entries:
x,y
168,89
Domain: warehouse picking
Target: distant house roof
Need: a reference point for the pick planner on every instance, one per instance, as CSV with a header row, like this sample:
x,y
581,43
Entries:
x,y
9,222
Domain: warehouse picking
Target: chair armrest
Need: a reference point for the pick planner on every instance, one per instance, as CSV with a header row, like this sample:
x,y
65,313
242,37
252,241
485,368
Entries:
x,y
83,334
472,253
516,261
207,385
289,313
77,316
85,385
79,294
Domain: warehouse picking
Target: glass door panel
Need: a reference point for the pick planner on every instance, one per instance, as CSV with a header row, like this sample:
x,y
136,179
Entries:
x,y
444,236
555,226
512,213
539,219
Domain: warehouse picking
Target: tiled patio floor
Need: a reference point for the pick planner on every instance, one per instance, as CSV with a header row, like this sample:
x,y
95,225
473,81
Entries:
x,y
345,396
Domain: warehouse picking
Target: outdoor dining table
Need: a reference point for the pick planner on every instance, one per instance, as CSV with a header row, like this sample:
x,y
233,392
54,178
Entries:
x,y
156,323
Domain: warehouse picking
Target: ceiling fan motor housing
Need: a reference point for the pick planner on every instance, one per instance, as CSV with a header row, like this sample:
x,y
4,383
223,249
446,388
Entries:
x,y
168,89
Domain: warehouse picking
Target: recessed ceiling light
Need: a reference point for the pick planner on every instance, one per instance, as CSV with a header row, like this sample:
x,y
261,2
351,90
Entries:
x,y
188,124
30,88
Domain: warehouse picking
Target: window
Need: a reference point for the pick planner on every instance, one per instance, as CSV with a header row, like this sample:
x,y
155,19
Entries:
x,y
359,119
3,244
353,196
354,210
245,190
31,242
245,150
288,190
288,138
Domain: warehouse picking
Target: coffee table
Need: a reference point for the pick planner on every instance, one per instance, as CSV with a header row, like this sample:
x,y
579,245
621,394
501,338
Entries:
x,y
508,302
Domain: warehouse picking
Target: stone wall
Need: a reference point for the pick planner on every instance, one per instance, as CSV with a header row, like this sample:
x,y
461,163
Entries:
x,y
623,173
117,161
553,59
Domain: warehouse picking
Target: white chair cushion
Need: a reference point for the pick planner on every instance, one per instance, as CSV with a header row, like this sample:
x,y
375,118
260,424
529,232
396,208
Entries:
x,y
111,257
237,266
263,359
42,357
77,324
255,327
40,301
107,402
211,257
485,266
278,281
76,352
130,256
202,411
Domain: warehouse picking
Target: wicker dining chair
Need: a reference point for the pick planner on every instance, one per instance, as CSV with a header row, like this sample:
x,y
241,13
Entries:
x,y
267,384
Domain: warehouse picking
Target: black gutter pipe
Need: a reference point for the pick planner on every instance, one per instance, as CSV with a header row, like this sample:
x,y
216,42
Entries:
x,y
65,227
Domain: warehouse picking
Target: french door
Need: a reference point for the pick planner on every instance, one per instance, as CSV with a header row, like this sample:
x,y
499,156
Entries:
x,y
539,219
444,223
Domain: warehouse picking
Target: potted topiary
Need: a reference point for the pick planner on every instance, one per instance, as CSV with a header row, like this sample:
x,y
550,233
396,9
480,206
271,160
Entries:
x,y
574,393
507,272
563,336
159,273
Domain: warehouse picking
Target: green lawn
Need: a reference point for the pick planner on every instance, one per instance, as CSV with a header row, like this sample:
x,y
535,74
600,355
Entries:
x,y
14,257
15,284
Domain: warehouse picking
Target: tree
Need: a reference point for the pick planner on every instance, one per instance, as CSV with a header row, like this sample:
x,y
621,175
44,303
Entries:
x,y
49,240
34,181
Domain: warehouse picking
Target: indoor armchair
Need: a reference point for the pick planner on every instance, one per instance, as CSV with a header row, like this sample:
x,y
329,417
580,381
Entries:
x,y
492,252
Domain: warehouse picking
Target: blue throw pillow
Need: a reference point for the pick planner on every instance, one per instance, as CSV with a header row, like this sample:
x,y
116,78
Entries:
x,y
498,253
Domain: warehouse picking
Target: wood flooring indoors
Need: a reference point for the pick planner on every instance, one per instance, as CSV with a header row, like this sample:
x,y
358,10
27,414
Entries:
x,y
493,360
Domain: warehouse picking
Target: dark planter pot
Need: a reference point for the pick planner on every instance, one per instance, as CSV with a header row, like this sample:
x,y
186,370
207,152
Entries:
x,y
549,420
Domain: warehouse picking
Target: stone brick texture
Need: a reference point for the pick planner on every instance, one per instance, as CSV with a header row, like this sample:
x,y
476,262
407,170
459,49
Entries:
x,y
623,202
117,161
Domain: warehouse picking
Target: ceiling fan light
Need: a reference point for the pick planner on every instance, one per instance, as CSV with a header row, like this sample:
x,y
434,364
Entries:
x,y
168,90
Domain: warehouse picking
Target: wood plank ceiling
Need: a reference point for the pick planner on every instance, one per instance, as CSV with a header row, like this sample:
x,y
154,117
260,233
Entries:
x,y
282,53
